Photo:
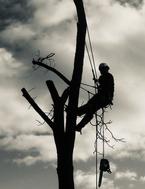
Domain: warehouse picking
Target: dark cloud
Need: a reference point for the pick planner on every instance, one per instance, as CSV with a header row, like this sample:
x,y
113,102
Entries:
x,y
21,50
14,11
132,3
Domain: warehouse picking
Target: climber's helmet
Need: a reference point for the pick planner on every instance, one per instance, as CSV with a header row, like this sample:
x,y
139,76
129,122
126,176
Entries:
x,y
103,67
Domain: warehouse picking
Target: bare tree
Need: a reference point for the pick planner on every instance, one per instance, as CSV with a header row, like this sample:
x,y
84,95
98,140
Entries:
x,y
64,135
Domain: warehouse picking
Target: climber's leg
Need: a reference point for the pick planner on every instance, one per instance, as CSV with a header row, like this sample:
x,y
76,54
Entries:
x,y
82,109
92,108
94,104
88,106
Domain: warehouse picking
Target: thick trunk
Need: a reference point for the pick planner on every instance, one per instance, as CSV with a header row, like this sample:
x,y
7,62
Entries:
x,y
64,161
65,173
64,149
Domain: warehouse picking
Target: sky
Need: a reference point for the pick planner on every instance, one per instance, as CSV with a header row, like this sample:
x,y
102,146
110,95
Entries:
x,y
38,27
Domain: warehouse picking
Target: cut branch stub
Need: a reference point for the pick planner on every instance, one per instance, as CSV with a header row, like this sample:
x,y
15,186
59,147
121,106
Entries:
x,y
37,108
65,95
53,91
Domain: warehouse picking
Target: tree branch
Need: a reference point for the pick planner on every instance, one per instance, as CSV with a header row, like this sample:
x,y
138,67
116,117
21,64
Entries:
x,y
53,91
65,95
37,108
34,62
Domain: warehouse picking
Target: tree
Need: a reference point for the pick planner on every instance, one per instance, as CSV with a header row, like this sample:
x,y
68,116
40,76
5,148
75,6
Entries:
x,y
65,138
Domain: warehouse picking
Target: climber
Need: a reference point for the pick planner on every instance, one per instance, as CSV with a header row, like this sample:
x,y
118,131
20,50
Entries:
x,y
104,97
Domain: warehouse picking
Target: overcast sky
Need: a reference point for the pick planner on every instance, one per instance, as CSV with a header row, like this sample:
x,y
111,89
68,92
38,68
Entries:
x,y
32,27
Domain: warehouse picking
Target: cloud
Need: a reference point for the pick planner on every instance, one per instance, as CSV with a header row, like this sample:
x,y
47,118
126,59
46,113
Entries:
x,y
84,146
132,3
46,12
43,145
9,65
142,179
28,160
17,33
87,180
132,176
13,11
84,180
132,149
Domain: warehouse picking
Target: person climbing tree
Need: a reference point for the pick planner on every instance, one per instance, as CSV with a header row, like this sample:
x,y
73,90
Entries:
x,y
104,97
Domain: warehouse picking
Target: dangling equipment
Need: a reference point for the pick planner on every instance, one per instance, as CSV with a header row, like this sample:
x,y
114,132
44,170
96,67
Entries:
x,y
104,167
104,163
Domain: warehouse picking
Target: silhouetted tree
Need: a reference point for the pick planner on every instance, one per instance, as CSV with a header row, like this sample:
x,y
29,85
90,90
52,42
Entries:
x,y
64,135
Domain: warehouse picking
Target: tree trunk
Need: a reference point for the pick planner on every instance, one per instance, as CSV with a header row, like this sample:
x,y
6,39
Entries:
x,y
65,141
64,160
65,171
64,151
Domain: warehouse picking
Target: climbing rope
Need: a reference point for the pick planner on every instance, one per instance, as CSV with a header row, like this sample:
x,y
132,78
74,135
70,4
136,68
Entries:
x,y
94,73
91,63
103,139
89,50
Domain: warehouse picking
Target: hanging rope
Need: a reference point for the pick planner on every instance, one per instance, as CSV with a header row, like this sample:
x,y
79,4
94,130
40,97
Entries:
x,y
91,48
101,123
103,133
94,73
91,63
